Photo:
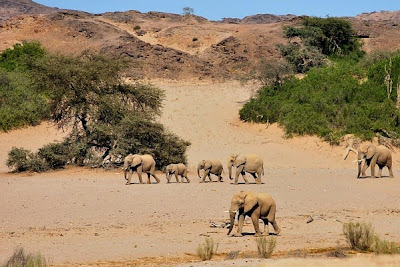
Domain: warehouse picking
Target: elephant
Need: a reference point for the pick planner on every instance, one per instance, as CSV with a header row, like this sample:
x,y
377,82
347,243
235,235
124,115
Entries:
x,y
250,163
372,155
210,167
140,164
176,169
256,206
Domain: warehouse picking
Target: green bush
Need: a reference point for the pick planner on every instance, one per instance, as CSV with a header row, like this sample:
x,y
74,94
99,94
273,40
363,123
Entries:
x,y
21,259
37,164
332,101
55,155
18,159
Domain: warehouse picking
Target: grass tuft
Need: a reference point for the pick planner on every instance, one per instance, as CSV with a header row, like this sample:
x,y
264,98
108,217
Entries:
x,y
206,250
22,259
385,247
265,246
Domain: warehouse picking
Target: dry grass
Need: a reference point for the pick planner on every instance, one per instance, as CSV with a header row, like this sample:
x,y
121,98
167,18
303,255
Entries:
x,y
360,236
206,250
21,259
385,247
265,246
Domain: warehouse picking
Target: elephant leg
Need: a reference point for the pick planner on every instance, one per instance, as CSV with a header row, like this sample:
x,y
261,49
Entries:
x,y
148,178
209,177
187,178
240,225
139,173
254,219
259,172
128,182
373,163
244,177
390,172
168,178
176,177
153,173
277,229
206,173
364,168
380,172
266,227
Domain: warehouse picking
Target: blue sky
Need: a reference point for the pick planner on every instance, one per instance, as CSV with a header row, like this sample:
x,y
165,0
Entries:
x,y
217,9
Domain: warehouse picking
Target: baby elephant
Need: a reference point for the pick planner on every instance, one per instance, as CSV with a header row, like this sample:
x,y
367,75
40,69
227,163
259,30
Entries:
x,y
210,167
256,206
176,169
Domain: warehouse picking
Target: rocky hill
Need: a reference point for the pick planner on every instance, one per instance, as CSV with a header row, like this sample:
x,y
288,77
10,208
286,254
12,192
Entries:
x,y
171,46
12,8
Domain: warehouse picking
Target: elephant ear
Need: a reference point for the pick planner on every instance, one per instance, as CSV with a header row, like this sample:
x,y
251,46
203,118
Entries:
x,y
207,165
174,168
371,151
136,160
250,201
240,160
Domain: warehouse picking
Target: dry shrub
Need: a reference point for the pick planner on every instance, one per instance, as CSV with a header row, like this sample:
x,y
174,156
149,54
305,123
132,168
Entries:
x,y
265,246
21,259
385,247
360,236
206,250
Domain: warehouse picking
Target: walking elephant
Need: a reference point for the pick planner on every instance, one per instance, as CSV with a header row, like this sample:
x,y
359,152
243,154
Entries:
x,y
140,164
250,163
176,169
256,206
372,155
210,167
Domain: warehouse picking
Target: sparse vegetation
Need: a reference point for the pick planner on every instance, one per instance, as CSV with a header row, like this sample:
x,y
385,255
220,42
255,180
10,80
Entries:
x,y
360,236
22,259
136,28
265,246
385,247
206,250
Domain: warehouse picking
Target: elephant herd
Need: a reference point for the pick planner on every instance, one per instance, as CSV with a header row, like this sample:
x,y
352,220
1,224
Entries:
x,y
255,205
250,163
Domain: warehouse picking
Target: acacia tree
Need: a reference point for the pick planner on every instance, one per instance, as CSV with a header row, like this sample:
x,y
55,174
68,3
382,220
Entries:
x,y
89,95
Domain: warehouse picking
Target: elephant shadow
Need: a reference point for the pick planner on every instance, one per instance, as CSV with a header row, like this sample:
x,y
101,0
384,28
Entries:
x,y
369,177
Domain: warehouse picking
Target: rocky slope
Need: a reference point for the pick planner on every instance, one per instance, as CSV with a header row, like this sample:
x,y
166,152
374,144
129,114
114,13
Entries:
x,y
171,46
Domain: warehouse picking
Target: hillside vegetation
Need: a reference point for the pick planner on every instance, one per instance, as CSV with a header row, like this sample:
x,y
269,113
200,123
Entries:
x,y
352,94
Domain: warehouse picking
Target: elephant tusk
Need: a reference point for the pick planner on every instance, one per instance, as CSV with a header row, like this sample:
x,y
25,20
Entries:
x,y
226,211
358,160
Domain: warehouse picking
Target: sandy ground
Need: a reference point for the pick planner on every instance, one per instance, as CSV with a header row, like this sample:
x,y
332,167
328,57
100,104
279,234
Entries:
x,y
86,216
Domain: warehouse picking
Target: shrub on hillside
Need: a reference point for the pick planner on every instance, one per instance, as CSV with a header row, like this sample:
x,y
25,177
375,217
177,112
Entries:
x,y
18,159
330,102
55,155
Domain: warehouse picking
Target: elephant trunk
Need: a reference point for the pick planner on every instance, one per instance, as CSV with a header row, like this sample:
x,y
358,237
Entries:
x,y
198,171
232,215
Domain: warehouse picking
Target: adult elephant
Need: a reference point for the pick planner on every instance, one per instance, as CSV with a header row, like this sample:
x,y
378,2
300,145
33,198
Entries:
x,y
250,163
140,164
372,155
210,167
176,169
256,206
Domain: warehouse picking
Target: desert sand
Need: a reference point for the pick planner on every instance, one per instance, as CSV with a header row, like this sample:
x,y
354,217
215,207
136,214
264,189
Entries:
x,y
82,216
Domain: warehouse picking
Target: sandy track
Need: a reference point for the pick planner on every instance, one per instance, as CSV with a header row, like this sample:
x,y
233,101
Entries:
x,y
80,216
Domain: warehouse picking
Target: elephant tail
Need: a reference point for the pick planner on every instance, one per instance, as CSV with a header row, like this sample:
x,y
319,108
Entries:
x,y
263,170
